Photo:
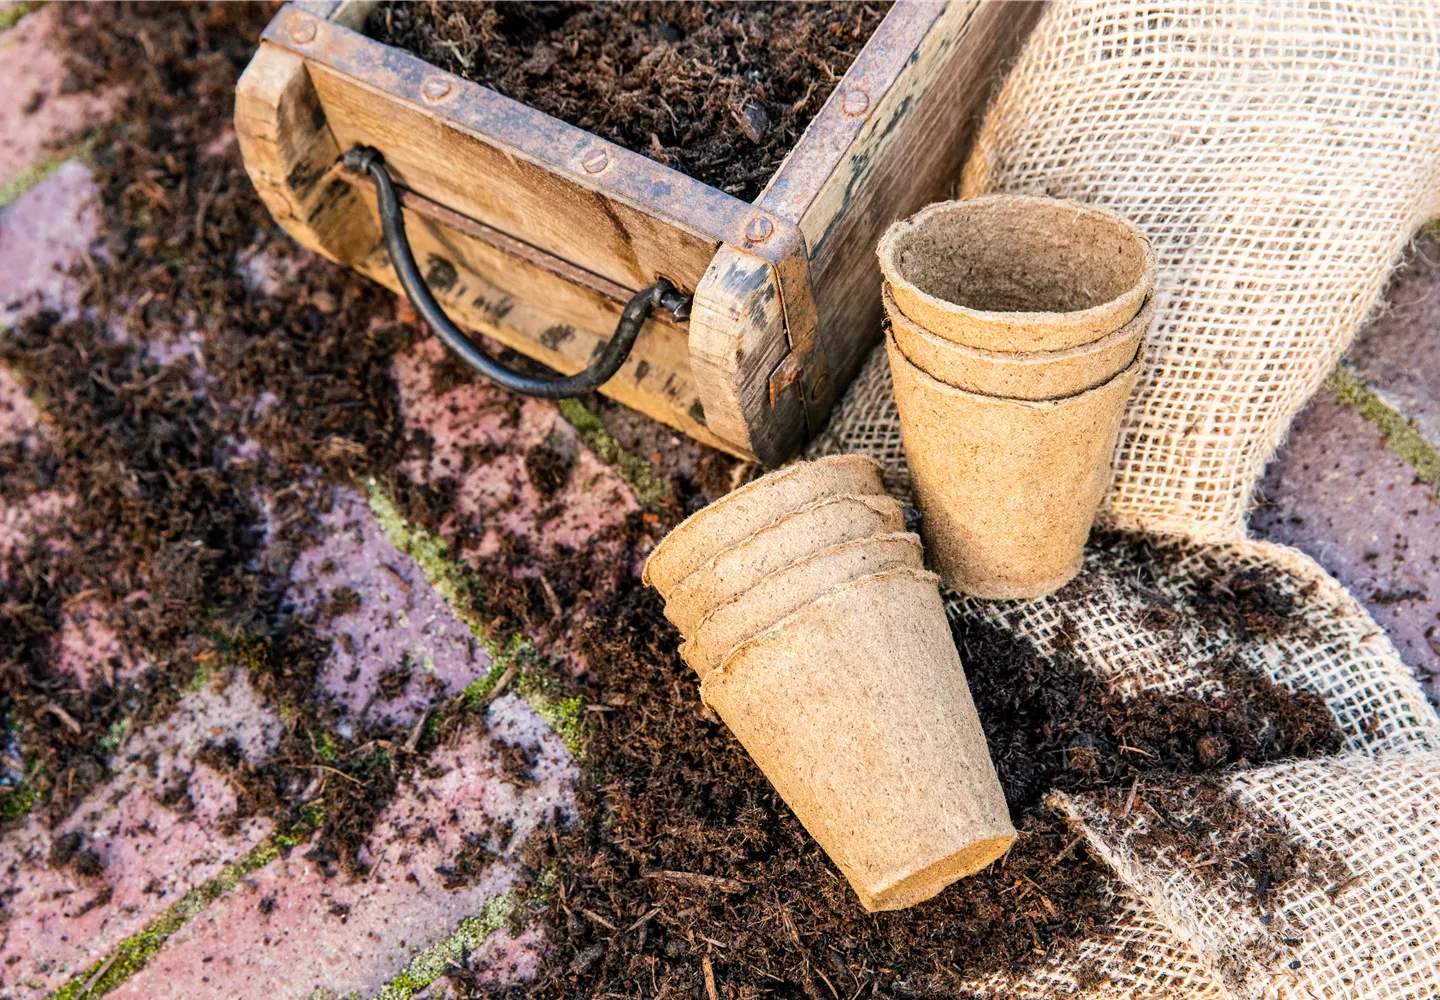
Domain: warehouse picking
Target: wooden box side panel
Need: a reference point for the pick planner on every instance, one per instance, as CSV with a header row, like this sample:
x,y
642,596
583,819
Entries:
x,y
504,164
290,153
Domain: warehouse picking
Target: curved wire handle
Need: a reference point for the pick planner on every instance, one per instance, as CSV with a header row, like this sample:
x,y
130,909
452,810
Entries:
x,y
636,311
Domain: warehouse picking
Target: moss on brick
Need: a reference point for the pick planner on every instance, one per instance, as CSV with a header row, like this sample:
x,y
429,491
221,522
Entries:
x,y
1399,436
12,187
132,954
649,489
12,15
21,799
462,591
431,963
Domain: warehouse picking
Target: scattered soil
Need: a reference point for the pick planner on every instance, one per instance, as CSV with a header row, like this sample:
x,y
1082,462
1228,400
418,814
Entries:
x,y
682,859
167,540
719,91
1200,824
683,853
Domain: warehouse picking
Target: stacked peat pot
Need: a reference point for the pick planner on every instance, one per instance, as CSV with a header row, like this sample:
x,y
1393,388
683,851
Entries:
x,y
1017,329
823,644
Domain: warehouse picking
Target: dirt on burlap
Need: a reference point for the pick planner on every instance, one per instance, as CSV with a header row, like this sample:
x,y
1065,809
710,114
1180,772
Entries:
x,y
667,790
719,91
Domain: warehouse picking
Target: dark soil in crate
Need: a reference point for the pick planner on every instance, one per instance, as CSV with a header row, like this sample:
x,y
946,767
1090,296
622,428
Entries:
x,y
719,91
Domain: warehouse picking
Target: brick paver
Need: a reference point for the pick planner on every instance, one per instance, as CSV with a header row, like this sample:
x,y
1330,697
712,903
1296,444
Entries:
x,y
37,115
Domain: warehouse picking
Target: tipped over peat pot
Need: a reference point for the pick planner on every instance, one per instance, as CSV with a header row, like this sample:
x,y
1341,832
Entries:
x,y
537,233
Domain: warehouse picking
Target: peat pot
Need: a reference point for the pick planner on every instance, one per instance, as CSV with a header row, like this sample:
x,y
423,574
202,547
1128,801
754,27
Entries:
x,y
536,233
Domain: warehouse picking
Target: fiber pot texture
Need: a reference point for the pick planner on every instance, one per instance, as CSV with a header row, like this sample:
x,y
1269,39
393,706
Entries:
x,y
1017,273
1008,488
886,765
746,615
804,532
1020,374
738,515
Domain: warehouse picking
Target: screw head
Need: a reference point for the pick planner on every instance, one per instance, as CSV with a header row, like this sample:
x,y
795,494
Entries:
x,y
437,88
595,160
302,30
856,102
759,229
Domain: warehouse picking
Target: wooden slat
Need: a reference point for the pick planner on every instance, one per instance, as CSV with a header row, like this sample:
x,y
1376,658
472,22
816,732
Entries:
x,y
289,151
512,167
906,154
850,108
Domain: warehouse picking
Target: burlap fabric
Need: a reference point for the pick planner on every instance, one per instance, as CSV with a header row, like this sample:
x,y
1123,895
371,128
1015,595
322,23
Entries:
x,y
1279,157
1360,864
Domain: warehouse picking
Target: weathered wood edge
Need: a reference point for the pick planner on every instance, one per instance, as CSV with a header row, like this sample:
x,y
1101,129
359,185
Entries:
x,y
890,171
851,106
626,178
350,13
288,150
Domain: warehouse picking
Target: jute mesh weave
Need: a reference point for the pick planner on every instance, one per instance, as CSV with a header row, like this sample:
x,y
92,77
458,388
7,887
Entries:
x,y
1279,156
1365,872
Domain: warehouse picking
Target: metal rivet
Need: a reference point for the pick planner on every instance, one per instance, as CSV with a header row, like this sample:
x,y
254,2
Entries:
x,y
302,30
857,102
437,88
759,229
595,160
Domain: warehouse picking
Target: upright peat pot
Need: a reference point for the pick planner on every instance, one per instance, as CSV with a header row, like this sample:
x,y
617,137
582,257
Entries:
x,y
751,318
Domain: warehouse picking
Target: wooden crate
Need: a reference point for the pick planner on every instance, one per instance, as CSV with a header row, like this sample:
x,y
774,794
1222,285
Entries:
x,y
536,233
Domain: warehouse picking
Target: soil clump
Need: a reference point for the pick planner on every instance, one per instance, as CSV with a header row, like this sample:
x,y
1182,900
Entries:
x,y
719,91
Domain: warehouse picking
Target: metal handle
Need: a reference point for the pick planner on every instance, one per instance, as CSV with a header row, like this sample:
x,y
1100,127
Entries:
x,y
637,310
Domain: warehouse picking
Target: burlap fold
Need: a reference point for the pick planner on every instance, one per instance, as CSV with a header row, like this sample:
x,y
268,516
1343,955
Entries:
x,y
856,709
815,526
1017,273
1279,156
791,587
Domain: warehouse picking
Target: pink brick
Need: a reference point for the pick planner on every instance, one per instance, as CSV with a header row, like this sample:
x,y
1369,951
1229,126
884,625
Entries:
x,y
41,234
90,651
19,419
400,618
35,116
503,958
152,854
347,936
22,520
498,493
1339,495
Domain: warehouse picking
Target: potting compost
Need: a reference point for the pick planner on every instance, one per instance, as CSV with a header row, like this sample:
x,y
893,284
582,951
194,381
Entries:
x,y
1218,768
719,91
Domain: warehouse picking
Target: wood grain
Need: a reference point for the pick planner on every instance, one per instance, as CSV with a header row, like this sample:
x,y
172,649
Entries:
x,y
560,322
737,339
289,151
